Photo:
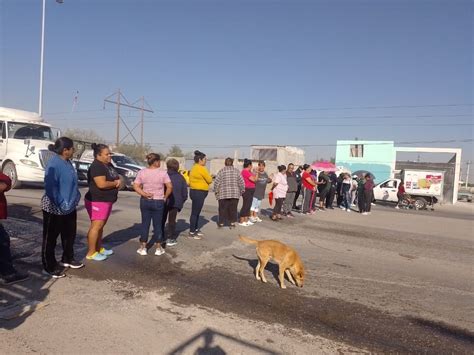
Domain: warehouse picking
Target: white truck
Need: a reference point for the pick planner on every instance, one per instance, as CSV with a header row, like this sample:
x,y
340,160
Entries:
x,y
425,187
24,140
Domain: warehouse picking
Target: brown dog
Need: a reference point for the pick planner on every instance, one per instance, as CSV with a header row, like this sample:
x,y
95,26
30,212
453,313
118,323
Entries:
x,y
287,259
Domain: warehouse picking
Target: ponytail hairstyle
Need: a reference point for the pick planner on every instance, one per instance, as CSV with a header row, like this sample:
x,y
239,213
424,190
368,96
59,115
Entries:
x,y
247,163
98,148
152,158
61,144
281,168
198,156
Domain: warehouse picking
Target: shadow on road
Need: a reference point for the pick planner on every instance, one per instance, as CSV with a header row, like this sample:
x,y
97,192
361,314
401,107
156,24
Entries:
x,y
273,268
210,341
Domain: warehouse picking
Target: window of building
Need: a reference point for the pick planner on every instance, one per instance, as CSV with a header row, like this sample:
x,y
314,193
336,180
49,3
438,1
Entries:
x,y
264,154
357,150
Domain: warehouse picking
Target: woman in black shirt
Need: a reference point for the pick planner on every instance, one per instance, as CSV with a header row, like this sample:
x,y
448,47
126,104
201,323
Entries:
x,y
104,183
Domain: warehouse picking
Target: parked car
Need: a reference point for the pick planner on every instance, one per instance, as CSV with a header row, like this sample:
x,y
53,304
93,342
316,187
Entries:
x,y
465,195
125,166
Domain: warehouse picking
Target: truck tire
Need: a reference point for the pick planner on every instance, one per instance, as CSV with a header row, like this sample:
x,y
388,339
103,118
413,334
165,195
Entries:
x,y
9,169
420,203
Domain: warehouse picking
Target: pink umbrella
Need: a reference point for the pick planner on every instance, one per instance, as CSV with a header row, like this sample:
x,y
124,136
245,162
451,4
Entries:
x,y
323,166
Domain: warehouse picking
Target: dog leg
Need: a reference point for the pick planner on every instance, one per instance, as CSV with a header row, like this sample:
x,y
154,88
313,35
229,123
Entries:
x,y
281,277
290,277
257,270
262,268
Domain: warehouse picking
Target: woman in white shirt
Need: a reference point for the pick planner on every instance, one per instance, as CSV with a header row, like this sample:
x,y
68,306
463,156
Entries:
x,y
280,187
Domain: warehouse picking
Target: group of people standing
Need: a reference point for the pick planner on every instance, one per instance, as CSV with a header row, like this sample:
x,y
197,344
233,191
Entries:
x,y
162,196
251,184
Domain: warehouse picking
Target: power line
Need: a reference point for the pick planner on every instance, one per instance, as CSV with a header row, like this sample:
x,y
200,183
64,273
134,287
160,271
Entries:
x,y
324,108
295,109
171,123
187,144
280,118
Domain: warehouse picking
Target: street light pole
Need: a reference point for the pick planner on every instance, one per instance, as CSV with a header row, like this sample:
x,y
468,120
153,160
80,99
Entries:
x,y
40,108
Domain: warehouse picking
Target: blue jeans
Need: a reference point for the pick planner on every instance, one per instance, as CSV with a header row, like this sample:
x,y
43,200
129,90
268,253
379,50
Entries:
x,y
197,198
152,210
347,199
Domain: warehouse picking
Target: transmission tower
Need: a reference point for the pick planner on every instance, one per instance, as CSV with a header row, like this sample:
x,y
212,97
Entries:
x,y
119,100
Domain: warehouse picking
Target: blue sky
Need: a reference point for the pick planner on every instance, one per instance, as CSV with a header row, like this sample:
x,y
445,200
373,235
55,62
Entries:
x,y
249,72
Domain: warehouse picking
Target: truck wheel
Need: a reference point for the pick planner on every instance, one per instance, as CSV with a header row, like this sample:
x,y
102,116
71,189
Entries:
x,y
10,170
420,203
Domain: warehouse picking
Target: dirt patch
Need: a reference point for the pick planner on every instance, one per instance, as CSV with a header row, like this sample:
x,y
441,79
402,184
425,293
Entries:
x,y
227,292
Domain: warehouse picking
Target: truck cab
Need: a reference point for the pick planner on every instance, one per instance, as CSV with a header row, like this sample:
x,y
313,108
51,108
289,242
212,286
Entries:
x,y
387,190
24,141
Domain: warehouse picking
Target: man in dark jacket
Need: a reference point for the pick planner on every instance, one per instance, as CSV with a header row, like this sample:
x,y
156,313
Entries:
x,y
332,191
298,174
8,274
175,202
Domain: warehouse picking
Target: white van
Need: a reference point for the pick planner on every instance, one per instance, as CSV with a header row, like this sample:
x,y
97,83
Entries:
x,y
24,140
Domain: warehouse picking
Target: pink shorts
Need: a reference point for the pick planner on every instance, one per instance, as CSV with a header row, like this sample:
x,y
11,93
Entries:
x,y
98,211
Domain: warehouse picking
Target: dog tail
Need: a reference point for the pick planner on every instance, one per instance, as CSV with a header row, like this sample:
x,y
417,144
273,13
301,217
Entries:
x,y
248,240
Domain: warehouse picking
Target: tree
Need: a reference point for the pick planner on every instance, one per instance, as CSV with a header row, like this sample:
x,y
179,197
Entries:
x,y
135,151
189,155
86,135
175,151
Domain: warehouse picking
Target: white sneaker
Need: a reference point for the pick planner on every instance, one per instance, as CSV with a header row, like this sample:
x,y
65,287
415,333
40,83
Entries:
x,y
353,205
142,251
258,219
396,207
364,213
159,251
342,208
244,224
249,223
253,220
348,210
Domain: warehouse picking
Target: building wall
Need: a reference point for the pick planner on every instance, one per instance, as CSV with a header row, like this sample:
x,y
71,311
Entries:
x,y
378,158
282,154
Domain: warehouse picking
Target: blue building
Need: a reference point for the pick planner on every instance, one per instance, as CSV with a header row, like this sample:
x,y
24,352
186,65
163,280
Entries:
x,y
378,157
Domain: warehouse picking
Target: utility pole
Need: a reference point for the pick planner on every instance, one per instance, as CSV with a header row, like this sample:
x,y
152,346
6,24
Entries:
x,y
141,119
467,172
117,137
121,100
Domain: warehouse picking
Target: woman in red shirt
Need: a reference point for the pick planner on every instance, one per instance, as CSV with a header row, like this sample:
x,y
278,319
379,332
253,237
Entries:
x,y
309,188
247,196
400,194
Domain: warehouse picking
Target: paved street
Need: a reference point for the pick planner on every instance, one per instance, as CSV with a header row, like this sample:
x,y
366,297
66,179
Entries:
x,y
396,280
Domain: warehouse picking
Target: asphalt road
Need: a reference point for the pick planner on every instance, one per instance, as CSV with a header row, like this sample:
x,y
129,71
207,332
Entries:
x,y
394,281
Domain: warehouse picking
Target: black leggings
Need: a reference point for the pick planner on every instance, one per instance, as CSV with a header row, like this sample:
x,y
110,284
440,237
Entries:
x,y
278,205
197,198
368,197
6,265
228,210
246,202
53,226
170,214
361,201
